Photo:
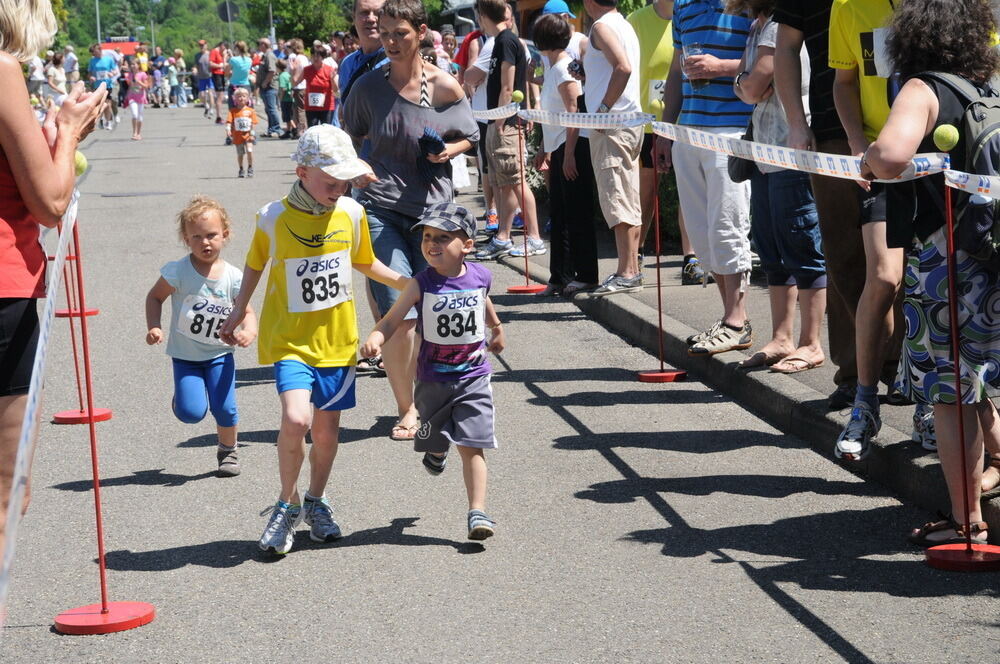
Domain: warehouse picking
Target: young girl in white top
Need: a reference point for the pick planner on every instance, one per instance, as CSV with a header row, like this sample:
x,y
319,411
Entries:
x,y
201,288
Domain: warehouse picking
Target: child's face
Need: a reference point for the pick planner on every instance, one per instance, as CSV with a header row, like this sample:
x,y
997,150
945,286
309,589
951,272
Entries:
x,y
326,189
241,99
444,250
205,236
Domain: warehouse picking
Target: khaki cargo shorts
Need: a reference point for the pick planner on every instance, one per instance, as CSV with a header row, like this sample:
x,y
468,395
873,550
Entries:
x,y
504,155
615,154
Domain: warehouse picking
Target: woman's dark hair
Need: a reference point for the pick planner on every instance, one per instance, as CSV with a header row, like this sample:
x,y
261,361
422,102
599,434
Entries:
x,y
551,33
750,7
951,36
411,11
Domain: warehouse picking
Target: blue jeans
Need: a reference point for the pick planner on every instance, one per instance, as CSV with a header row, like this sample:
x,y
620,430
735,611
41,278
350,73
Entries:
x,y
785,228
396,246
199,386
270,96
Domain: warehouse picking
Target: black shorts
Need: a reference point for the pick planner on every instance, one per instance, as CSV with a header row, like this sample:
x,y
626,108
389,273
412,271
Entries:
x,y
286,111
219,81
483,161
18,340
873,205
646,151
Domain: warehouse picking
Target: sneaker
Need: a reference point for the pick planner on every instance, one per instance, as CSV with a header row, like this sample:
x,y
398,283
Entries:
x,y
219,121
242,174
518,220
694,274
923,427
480,525
843,396
619,284
701,336
535,248
854,441
494,249
229,465
279,534
318,516
492,221
574,287
250,171
435,464
723,340
229,140
285,136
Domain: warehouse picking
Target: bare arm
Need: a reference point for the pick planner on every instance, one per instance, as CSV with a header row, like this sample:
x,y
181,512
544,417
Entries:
x,y
605,39
384,275
474,77
497,340
913,116
160,291
755,86
248,332
387,325
847,99
241,305
506,83
43,170
672,98
788,85
569,92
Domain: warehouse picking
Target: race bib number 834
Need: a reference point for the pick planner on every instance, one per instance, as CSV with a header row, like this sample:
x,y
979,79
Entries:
x,y
454,318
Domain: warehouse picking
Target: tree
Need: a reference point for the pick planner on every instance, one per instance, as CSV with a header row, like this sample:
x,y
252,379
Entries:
x,y
120,22
305,19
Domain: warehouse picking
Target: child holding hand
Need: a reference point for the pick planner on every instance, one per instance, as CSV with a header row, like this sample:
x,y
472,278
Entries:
x,y
202,287
453,394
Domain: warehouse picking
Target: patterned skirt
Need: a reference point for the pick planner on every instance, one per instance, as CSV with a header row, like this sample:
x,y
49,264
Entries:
x,y
926,371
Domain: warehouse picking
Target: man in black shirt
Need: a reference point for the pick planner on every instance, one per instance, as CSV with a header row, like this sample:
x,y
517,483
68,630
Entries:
x,y
505,138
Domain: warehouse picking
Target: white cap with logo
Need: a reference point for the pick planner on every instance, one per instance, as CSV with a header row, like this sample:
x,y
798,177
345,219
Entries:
x,y
331,150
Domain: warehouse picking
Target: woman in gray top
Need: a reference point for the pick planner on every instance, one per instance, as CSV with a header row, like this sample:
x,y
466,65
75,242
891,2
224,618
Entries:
x,y
416,119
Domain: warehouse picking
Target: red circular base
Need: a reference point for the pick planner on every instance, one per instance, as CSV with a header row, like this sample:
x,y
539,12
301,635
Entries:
x,y
66,313
528,289
955,558
81,416
667,376
120,616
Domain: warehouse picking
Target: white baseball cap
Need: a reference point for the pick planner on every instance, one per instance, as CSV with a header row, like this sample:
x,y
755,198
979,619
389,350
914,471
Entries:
x,y
331,150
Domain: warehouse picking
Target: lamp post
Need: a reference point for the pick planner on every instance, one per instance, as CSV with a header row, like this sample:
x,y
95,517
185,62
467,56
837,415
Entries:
x,y
97,10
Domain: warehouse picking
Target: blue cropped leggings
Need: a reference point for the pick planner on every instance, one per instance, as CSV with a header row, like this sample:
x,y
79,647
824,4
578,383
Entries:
x,y
199,386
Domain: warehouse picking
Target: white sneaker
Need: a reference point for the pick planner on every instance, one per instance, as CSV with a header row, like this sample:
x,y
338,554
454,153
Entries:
x,y
279,534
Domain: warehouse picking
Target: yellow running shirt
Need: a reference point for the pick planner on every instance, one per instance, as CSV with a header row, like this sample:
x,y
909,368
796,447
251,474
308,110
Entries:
x,y
308,312
656,49
858,32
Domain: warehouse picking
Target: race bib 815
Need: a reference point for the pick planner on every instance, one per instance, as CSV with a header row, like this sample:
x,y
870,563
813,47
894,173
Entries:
x,y
201,317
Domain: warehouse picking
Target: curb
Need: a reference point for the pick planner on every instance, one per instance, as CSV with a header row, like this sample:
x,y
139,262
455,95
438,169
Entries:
x,y
790,406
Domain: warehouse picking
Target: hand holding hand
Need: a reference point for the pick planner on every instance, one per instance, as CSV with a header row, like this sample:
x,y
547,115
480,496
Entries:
x,y
373,344
243,337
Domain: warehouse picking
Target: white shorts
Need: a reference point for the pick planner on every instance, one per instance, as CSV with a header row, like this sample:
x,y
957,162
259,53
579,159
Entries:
x,y
716,209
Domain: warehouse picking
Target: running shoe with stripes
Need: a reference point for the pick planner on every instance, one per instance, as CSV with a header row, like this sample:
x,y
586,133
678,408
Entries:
x,y
619,284
318,515
923,427
854,442
535,248
279,534
701,336
724,339
480,525
494,249
434,464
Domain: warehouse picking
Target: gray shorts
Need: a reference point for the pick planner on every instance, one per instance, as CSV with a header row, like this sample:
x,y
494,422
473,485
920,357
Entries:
x,y
457,412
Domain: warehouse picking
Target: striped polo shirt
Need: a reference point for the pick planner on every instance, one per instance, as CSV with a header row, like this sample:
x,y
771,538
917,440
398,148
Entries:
x,y
724,36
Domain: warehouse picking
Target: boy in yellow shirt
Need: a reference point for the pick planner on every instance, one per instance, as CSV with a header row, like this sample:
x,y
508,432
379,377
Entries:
x,y
313,237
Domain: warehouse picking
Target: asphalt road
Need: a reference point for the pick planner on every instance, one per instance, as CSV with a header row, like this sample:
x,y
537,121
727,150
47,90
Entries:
x,y
653,523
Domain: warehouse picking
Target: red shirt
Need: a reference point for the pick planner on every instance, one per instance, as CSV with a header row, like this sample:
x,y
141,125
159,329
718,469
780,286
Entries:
x,y
318,94
462,57
22,260
217,63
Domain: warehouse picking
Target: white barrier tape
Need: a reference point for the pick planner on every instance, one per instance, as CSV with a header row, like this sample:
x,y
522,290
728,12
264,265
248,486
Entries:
x,y
500,113
589,120
29,425
974,184
821,163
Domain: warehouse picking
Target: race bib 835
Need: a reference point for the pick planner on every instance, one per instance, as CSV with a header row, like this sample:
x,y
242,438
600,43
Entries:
x,y
318,282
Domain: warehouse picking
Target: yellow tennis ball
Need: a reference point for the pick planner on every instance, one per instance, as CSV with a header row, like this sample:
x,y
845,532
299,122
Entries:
x,y
81,163
517,96
945,137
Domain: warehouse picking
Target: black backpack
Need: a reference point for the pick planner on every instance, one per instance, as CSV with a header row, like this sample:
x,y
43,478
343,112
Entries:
x,y
977,217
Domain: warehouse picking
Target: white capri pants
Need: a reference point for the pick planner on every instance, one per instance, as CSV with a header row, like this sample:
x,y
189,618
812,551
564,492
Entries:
x,y
136,108
716,209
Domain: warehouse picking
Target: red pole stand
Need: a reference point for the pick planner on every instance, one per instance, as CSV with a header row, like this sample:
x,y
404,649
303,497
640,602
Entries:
x,y
970,556
105,617
81,415
528,288
664,375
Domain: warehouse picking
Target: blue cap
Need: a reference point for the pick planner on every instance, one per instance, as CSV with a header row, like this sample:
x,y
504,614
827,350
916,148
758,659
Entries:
x,y
557,7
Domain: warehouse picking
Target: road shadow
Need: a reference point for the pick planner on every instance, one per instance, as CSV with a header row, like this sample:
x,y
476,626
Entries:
x,y
223,554
254,376
153,477
696,442
380,429
602,374
243,437
631,397
545,316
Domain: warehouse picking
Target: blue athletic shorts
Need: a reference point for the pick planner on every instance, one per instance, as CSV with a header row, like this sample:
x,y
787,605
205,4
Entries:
x,y
332,387
205,84
203,386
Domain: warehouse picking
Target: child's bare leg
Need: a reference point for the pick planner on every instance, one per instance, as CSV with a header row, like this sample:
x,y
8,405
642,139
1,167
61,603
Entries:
x,y
296,417
249,159
325,438
474,473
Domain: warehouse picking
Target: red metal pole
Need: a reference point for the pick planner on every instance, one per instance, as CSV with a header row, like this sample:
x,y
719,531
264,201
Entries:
x,y
659,287
88,377
67,282
520,164
956,357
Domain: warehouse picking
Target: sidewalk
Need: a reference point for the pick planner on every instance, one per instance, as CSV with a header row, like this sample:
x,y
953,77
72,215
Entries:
x,y
795,404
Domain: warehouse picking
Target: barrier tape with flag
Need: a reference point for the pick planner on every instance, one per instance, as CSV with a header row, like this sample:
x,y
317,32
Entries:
x,y
820,163
29,424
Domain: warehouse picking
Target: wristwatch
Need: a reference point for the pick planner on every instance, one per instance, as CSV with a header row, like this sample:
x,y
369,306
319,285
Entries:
x,y
603,108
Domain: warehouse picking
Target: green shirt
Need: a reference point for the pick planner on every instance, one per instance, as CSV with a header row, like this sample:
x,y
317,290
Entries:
x,y
285,85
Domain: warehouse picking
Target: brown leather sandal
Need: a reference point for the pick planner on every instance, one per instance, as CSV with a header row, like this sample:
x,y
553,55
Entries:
x,y
920,535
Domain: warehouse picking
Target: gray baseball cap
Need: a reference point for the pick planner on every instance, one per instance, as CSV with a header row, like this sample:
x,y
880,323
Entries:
x,y
448,217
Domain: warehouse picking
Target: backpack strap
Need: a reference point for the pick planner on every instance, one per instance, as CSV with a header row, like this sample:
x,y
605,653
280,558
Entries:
x,y
963,89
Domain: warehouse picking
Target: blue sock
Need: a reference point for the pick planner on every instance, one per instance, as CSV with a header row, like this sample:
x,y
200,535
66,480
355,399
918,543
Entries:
x,y
867,395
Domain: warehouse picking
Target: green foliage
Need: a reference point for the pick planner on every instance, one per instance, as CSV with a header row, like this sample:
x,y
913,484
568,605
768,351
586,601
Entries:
x,y
305,19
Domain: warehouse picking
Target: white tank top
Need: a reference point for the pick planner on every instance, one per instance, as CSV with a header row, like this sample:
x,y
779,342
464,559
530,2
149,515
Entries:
x,y
598,69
